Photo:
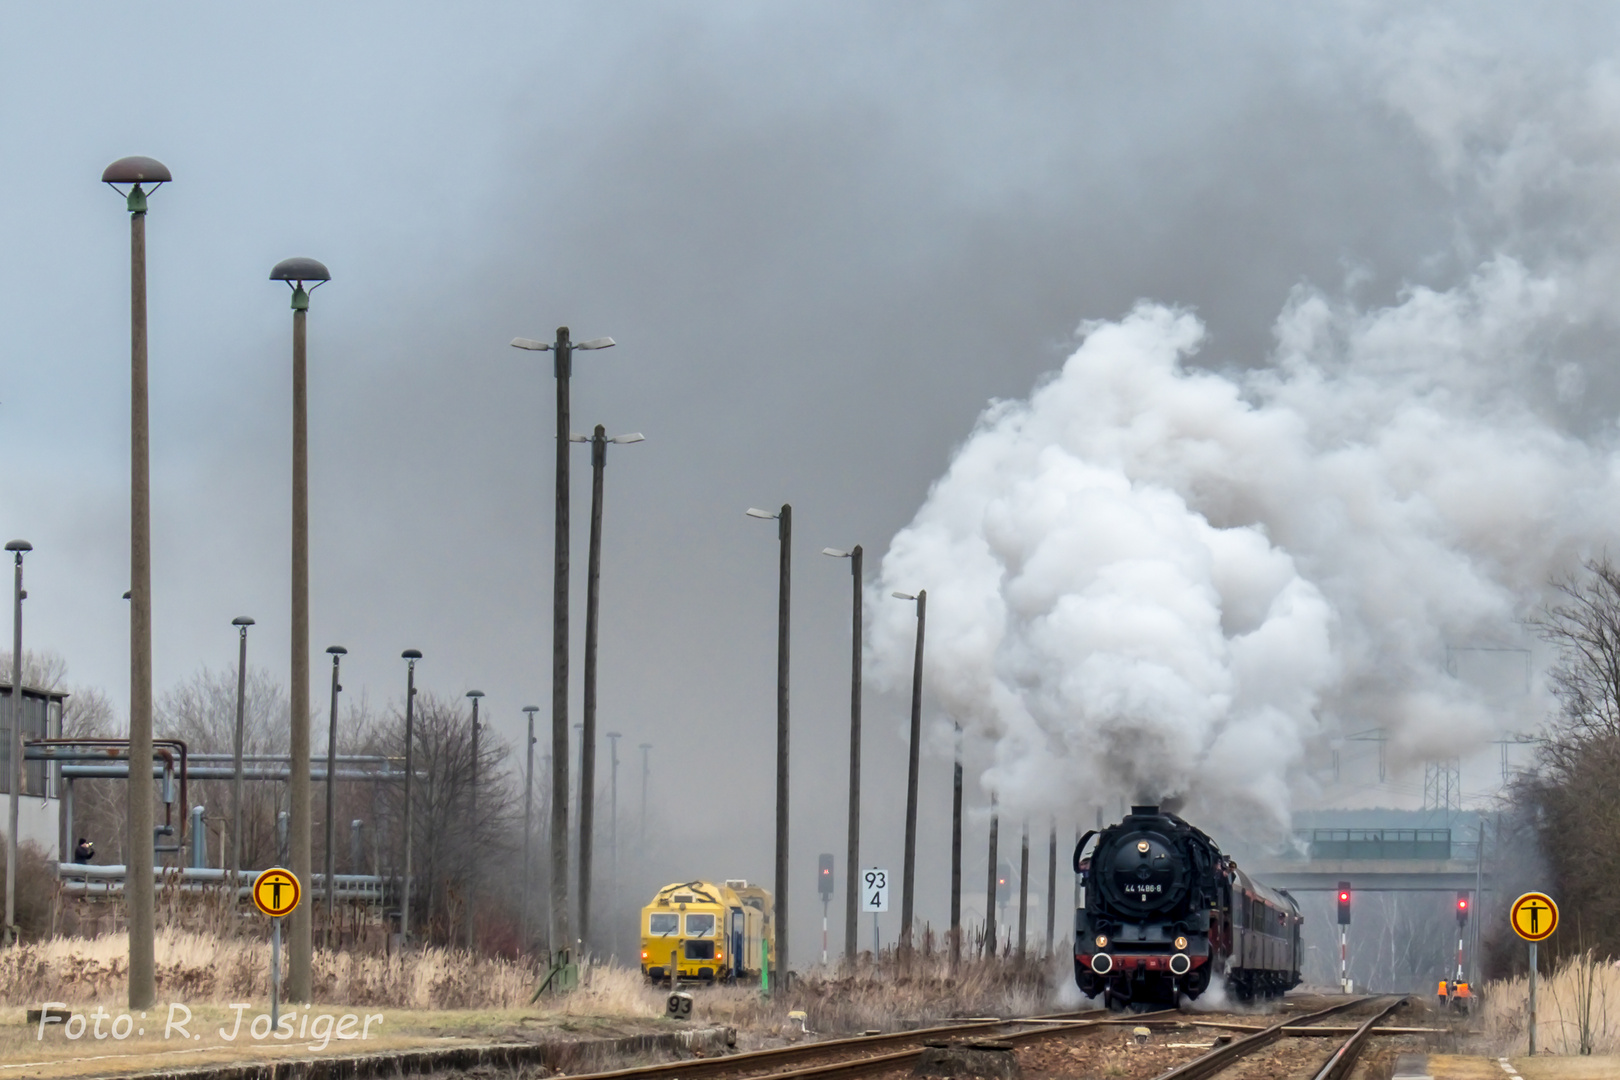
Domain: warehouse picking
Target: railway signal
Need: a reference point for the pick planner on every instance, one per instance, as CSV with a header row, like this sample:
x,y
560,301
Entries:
x,y
1462,908
1344,948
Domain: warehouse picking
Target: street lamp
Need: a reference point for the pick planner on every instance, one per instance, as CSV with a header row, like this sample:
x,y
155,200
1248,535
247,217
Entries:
x,y
472,884
337,652
241,622
909,874
784,534
852,868
593,593
138,885
300,949
15,780
528,818
562,349
410,656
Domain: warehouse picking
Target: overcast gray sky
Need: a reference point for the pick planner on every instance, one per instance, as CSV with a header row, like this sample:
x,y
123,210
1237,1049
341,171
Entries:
x,y
824,236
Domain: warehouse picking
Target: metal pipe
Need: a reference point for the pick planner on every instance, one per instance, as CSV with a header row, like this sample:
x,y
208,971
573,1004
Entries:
x,y
112,771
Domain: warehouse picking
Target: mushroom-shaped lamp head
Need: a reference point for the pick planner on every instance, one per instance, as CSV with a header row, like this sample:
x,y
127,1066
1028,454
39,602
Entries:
x,y
136,170
411,654
300,270
297,271
337,650
242,620
19,546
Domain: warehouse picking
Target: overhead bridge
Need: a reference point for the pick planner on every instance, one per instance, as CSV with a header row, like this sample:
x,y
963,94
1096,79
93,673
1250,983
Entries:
x,y
1376,860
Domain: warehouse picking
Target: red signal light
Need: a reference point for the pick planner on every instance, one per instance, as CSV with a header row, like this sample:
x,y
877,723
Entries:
x,y
1344,898
1462,903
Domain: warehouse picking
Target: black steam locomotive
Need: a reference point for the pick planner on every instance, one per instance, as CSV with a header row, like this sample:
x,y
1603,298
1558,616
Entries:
x,y
1163,912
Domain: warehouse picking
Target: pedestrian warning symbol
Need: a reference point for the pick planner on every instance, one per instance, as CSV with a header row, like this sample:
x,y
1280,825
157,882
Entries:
x,y
1534,916
276,891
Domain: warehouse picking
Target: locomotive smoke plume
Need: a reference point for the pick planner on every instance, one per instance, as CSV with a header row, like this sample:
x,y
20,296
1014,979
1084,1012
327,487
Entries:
x,y
1152,579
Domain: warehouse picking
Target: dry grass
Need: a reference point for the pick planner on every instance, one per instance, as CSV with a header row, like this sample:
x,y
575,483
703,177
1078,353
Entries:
x,y
889,997
207,968
1579,1002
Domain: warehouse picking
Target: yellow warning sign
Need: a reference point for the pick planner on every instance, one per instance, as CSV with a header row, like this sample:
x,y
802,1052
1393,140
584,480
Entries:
x,y
1534,916
276,891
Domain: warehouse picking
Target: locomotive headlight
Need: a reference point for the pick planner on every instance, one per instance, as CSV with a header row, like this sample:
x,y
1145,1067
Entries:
x,y
1102,941
1142,846
1181,943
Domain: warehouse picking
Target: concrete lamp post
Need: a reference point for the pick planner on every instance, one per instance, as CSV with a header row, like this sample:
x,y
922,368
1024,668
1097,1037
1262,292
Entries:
x,y
852,863
300,951
562,350
241,622
139,895
337,653
410,656
14,782
909,872
472,824
528,819
593,601
784,535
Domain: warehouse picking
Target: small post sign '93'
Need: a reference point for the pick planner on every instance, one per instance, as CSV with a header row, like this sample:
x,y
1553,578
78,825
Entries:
x,y
874,890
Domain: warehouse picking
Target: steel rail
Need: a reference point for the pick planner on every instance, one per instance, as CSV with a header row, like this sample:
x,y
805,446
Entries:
x,y
763,1062
1219,1058
1344,1058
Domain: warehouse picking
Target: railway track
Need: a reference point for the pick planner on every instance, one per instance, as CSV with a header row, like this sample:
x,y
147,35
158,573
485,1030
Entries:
x,y
835,1058
1338,1065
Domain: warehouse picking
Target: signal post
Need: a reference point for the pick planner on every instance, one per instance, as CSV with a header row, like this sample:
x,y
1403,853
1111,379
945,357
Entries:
x,y
1344,925
1534,917
276,892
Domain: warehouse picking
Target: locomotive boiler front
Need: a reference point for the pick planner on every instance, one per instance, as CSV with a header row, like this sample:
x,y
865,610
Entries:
x,y
1142,872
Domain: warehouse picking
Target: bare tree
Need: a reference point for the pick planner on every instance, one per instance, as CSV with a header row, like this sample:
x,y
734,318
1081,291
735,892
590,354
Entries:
x,y
1573,797
454,852
202,712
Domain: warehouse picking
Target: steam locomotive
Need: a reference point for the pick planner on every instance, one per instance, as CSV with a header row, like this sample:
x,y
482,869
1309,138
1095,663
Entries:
x,y
1163,913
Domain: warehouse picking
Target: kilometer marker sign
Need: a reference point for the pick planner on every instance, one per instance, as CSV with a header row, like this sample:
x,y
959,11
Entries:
x,y
276,892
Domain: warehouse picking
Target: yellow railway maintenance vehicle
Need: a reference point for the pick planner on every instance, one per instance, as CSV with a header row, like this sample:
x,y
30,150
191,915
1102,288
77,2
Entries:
x,y
697,931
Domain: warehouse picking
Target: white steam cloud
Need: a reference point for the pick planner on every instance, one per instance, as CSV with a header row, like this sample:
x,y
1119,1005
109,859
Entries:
x,y
1151,580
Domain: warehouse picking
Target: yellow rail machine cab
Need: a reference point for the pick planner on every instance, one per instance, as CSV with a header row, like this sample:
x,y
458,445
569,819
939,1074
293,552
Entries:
x,y
697,931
